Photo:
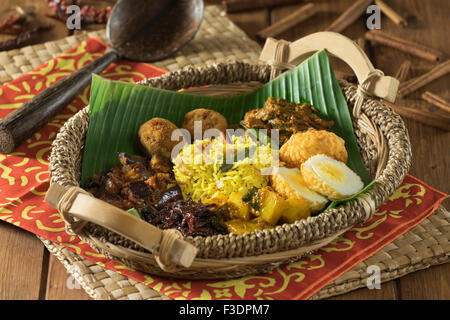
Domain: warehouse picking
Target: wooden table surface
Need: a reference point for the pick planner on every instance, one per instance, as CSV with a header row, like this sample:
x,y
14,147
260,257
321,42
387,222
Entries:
x,y
28,271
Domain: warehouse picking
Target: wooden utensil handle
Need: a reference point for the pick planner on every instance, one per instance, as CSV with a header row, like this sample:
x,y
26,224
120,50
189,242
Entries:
x,y
20,124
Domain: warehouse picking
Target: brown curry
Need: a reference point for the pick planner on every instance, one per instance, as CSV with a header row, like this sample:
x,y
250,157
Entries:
x,y
287,117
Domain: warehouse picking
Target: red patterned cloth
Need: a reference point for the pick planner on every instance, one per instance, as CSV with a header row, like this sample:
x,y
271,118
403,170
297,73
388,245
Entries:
x,y
24,181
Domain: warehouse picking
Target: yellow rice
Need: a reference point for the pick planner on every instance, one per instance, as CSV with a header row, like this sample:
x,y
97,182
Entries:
x,y
199,173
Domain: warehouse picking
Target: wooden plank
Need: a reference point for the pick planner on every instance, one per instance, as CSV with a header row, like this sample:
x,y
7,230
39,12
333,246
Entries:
x,y
41,9
61,285
387,291
427,24
23,264
251,21
429,284
328,12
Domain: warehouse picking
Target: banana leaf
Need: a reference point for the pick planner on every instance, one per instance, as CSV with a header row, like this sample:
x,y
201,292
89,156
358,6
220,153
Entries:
x,y
117,110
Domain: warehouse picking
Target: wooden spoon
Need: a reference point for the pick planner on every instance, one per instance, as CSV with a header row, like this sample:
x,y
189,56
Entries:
x,y
140,30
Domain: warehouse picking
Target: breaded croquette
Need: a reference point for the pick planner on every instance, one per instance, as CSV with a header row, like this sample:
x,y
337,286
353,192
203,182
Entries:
x,y
155,137
210,119
303,145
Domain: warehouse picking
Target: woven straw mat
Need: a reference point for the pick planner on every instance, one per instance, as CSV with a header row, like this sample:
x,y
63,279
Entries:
x,y
219,40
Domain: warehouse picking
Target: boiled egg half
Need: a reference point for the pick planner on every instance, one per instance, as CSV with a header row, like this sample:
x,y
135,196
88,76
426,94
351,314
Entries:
x,y
331,178
290,184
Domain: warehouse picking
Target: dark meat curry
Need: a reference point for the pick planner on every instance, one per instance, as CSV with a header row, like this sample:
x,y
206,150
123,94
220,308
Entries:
x,y
134,182
287,117
149,187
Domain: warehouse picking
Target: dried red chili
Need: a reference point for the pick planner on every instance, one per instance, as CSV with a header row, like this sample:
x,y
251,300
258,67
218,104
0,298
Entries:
x,y
189,217
21,38
141,183
88,13
13,25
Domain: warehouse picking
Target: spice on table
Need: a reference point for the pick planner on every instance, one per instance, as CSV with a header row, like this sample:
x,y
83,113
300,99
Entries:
x,y
403,71
13,21
437,101
91,14
349,16
13,25
88,13
391,13
22,38
404,45
289,21
415,111
416,83
243,5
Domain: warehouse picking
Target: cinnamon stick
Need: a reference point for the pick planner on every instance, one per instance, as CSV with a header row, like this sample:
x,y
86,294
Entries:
x,y
414,84
403,71
437,101
410,109
289,21
390,13
243,5
404,45
349,16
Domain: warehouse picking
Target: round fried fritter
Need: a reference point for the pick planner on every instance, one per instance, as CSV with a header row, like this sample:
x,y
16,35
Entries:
x,y
303,145
155,137
210,119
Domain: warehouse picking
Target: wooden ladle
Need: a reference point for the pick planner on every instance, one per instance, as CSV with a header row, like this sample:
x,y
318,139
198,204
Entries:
x,y
139,30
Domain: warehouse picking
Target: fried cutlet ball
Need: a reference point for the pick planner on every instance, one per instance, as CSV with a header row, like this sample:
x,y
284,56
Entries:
x,y
210,119
303,145
155,137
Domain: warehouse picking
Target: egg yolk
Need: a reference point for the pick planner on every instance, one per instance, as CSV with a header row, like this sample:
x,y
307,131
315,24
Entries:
x,y
292,176
330,172
295,179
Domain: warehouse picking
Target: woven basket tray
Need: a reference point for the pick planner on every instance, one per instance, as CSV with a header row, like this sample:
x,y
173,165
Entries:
x,y
381,136
423,246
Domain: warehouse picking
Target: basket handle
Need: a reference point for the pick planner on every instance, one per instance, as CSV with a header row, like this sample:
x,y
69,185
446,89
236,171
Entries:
x,y
284,55
167,246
